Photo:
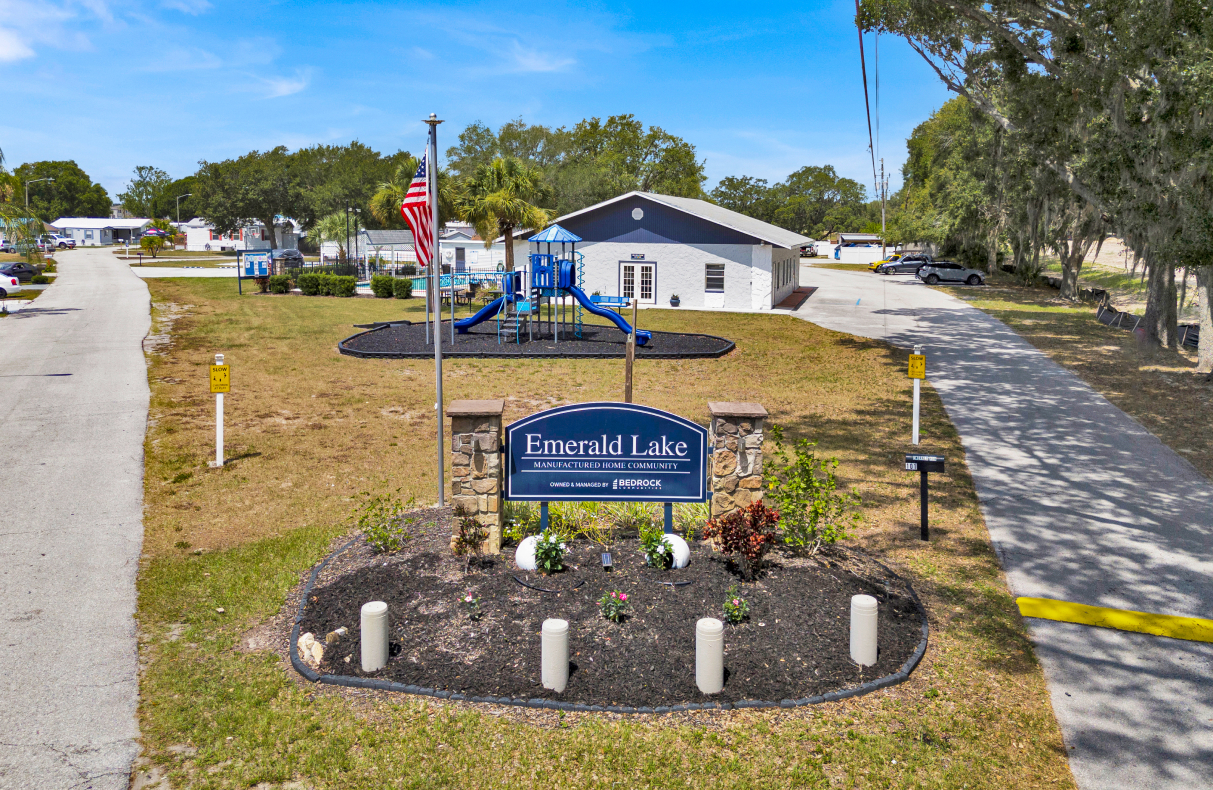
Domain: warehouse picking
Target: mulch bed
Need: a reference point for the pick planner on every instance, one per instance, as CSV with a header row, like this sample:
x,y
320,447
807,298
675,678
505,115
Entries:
x,y
795,643
403,340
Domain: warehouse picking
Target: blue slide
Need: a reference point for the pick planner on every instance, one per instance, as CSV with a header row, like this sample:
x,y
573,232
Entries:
x,y
642,336
483,314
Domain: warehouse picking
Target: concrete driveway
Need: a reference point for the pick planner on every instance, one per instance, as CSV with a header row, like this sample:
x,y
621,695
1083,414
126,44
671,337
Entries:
x,y
1083,505
73,402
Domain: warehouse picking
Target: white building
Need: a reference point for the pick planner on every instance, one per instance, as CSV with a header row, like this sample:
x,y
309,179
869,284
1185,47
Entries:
x,y
858,248
201,236
95,231
651,247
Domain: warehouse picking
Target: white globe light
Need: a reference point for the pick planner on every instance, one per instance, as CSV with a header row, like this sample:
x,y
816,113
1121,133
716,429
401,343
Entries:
x,y
524,555
680,549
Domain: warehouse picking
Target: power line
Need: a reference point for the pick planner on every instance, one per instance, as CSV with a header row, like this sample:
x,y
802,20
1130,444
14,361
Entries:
x,y
867,106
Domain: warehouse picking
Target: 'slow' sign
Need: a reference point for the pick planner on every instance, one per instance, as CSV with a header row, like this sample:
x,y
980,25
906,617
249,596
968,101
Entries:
x,y
221,378
606,452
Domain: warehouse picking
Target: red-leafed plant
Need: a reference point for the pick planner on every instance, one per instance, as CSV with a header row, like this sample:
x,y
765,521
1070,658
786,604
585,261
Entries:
x,y
748,533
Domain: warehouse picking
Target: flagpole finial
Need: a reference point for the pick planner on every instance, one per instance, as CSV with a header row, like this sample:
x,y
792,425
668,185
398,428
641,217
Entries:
x,y
433,119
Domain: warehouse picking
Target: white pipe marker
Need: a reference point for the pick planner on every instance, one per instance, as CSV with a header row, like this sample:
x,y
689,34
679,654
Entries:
x,y
374,636
555,654
709,655
863,630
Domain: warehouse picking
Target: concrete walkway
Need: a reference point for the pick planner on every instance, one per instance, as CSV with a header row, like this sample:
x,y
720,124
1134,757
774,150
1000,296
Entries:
x,y
71,528
1083,505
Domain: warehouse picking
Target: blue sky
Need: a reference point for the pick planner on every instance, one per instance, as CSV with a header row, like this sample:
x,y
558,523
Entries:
x,y
760,90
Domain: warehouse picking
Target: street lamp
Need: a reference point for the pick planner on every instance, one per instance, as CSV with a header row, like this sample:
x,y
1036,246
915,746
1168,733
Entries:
x,y
187,194
33,181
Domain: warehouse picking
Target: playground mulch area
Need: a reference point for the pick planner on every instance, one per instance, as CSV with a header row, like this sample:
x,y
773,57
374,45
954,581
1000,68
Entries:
x,y
406,340
794,644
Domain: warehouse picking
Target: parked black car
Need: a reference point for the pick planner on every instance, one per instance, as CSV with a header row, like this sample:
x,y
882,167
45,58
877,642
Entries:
x,y
290,259
22,271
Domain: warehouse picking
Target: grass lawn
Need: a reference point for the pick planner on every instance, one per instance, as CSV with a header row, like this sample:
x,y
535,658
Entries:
x,y
179,261
1159,389
308,429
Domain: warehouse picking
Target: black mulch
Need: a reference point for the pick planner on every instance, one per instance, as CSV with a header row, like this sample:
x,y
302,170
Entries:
x,y
404,340
795,643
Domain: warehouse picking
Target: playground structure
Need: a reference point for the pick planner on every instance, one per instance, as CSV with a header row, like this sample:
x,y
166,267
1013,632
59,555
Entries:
x,y
549,279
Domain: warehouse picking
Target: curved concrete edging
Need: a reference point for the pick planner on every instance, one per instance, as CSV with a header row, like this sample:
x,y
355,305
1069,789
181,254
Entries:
x,y
900,676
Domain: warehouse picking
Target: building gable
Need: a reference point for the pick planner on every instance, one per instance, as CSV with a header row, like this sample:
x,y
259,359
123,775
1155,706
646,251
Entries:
x,y
659,224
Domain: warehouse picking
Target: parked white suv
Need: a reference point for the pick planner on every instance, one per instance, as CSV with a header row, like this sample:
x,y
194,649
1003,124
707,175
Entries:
x,y
63,242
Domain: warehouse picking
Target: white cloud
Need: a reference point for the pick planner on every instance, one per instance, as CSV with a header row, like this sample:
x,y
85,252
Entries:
x,y
533,59
192,7
286,86
12,47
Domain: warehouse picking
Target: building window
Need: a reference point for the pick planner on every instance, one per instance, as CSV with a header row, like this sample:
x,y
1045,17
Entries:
x,y
713,277
88,234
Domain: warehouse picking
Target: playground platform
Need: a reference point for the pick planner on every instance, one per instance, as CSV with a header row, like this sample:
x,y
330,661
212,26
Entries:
x,y
404,340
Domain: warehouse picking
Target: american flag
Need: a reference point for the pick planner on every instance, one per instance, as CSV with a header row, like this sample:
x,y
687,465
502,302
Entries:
x,y
416,212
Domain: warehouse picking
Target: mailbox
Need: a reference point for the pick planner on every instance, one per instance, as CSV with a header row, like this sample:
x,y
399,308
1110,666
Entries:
x,y
924,463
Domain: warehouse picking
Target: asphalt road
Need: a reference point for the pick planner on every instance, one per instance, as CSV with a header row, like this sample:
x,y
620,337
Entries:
x,y
73,403
1083,505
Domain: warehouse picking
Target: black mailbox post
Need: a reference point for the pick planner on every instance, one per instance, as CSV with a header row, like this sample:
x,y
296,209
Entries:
x,y
924,464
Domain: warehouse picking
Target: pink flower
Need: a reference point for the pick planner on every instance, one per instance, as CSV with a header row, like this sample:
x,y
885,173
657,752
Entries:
x,y
623,597
735,603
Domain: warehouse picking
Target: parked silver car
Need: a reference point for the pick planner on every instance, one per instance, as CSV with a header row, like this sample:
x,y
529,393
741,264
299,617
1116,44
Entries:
x,y
946,271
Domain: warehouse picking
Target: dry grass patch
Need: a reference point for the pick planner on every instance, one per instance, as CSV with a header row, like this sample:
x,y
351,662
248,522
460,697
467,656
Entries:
x,y
310,428
1160,388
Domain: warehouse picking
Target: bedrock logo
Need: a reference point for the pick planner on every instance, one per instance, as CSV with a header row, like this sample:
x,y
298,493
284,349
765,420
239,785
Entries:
x,y
634,483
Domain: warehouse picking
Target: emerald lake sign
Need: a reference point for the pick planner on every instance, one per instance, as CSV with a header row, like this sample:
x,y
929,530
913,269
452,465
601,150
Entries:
x,y
606,452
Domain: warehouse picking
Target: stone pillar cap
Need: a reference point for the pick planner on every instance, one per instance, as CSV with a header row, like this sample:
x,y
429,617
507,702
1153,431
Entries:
x,y
475,408
730,409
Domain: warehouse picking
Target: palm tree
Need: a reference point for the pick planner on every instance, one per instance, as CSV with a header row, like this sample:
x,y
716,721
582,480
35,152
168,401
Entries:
x,y
502,196
17,224
331,228
385,203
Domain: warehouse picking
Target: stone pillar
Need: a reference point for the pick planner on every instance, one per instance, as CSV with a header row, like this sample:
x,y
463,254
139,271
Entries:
x,y
736,436
477,467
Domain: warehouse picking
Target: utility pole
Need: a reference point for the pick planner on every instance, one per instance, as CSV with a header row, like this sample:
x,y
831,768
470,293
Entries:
x,y
884,191
347,233
187,194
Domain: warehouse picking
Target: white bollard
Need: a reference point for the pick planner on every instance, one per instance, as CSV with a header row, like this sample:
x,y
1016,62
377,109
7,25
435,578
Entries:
x,y
709,655
374,636
555,654
863,630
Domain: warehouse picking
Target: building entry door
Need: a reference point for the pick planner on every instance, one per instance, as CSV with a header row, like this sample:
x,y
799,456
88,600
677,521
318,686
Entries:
x,y
638,281
460,259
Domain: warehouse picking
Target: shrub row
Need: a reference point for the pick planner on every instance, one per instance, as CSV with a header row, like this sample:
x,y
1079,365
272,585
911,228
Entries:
x,y
384,286
326,285
280,284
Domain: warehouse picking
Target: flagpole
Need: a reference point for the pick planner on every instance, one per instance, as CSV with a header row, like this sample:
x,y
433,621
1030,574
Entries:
x,y
436,274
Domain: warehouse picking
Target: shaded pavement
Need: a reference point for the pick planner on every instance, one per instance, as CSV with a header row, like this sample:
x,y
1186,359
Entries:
x,y
1083,505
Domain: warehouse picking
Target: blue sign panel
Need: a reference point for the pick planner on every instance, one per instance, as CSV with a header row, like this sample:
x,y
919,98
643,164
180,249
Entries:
x,y
255,264
606,452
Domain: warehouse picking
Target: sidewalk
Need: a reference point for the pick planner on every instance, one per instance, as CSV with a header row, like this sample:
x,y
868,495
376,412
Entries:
x,y
1083,505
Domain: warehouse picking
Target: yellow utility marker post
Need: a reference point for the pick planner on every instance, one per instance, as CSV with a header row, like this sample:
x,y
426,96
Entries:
x,y
918,372
221,382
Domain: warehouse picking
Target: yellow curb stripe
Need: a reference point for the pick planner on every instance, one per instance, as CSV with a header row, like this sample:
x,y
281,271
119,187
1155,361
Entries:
x,y
1196,629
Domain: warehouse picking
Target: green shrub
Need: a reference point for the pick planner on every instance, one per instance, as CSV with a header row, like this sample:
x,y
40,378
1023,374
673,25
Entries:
x,y
812,512
403,287
382,286
735,607
381,519
309,284
39,279
614,606
689,518
280,284
408,269
657,550
343,286
549,552
521,520
326,285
